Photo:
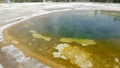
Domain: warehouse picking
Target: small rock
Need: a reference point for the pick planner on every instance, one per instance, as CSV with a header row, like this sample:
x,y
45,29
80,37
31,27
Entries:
x,y
117,60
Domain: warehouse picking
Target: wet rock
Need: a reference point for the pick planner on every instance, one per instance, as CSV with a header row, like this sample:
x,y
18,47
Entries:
x,y
1,66
117,60
21,59
74,54
13,52
83,42
37,35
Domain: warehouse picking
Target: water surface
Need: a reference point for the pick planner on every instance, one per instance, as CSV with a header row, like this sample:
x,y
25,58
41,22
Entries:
x,y
95,34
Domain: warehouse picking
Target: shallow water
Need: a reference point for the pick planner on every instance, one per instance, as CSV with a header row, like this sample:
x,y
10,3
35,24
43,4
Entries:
x,y
93,32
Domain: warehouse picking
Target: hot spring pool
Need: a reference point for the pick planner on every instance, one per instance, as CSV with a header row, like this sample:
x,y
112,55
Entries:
x,y
72,39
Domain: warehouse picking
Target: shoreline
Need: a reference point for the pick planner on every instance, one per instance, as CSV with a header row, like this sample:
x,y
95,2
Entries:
x,y
4,28
26,50
29,53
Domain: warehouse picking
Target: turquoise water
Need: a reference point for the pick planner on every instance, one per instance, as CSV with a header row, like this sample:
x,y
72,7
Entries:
x,y
102,27
83,24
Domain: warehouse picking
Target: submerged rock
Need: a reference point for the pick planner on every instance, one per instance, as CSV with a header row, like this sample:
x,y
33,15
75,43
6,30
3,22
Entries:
x,y
117,60
60,48
57,54
74,54
36,35
19,57
83,42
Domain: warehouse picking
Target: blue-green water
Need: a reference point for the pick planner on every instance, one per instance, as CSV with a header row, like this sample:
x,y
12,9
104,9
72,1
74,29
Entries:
x,y
84,24
103,27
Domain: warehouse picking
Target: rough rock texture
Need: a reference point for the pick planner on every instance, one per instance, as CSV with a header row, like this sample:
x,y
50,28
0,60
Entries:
x,y
1,66
75,55
19,58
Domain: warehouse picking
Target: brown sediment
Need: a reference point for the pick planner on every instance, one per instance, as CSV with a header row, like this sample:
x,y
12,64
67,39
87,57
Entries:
x,y
97,51
9,39
101,50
